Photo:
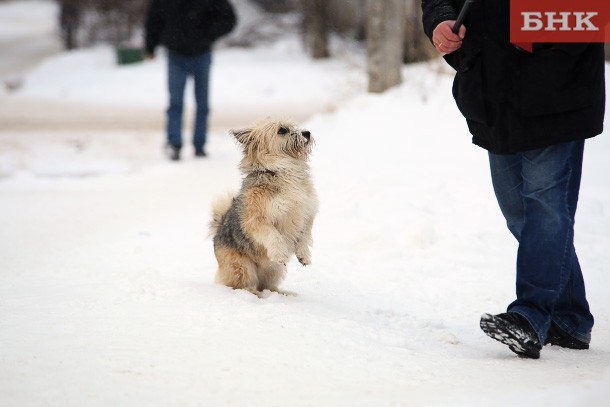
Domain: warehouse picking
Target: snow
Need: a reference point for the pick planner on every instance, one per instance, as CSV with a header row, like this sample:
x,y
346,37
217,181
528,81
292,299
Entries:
x,y
106,271
28,33
26,18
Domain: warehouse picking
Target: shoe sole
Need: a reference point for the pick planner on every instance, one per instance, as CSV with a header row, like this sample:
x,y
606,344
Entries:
x,y
509,335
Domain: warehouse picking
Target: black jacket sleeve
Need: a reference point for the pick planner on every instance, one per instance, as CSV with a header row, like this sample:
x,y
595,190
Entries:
x,y
154,25
435,12
223,19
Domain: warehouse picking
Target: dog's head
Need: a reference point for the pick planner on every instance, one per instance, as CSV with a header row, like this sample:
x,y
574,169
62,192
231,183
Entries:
x,y
274,144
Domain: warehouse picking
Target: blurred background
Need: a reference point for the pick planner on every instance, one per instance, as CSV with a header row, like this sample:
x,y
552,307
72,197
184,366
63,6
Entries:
x,y
54,51
87,22
56,56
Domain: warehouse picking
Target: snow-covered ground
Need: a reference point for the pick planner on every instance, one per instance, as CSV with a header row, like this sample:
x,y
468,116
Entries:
x,y
27,35
106,272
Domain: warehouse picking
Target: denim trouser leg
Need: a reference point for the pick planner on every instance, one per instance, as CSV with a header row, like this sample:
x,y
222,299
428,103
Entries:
x,y
537,192
201,74
572,309
177,71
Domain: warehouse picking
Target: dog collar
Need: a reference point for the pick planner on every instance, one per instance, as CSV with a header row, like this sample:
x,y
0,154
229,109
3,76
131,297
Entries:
x,y
266,171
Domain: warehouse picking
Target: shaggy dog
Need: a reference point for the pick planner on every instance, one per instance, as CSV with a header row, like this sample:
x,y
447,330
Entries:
x,y
270,219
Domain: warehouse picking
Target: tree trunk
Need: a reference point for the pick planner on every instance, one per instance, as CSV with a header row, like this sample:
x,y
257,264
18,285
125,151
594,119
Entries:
x,y
69,20
385,27
417,46
316,27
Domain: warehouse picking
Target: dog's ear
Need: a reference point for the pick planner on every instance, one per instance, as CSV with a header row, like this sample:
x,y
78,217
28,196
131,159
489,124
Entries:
x,y
243,136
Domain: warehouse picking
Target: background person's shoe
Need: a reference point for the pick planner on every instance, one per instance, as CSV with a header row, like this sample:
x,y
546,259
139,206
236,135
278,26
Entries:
x,y
173,152
200,152
512,330
558,337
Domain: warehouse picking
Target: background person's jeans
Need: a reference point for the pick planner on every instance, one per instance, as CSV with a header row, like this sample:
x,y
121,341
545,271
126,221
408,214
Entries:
x,y
538,191
179,68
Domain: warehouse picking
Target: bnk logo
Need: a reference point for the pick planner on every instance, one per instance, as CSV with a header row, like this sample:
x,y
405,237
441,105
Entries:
x,y
562,21
537,21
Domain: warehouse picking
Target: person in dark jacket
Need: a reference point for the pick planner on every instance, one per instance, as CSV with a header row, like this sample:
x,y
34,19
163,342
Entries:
x,y
188,29
532,112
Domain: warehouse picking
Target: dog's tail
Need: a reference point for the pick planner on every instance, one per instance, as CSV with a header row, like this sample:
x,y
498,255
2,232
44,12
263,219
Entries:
x,y
220,207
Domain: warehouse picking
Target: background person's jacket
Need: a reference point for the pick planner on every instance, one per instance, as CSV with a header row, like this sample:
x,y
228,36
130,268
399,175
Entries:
x,y
187,27
515,101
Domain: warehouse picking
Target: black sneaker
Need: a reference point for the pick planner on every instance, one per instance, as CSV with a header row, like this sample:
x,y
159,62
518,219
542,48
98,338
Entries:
x,y
558,337
173,152
200,152
513,330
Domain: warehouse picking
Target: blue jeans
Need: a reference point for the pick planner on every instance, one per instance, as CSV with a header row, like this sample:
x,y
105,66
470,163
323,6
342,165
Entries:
x,y
538,191
179,68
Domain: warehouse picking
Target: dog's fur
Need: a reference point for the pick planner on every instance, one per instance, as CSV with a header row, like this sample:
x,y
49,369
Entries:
x,y
270,219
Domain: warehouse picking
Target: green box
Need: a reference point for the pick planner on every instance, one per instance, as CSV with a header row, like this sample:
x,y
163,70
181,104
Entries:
x,y
125,55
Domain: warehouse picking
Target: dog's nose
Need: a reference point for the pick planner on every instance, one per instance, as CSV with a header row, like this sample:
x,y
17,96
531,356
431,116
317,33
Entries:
x,y
306,134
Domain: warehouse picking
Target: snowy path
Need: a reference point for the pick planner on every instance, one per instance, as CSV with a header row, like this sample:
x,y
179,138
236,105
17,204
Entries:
x,y
107,298
27,36
19,55
24,53
107,294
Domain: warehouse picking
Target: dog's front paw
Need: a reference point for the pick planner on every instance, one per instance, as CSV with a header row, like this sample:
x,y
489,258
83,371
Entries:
x,y
303,255
305,262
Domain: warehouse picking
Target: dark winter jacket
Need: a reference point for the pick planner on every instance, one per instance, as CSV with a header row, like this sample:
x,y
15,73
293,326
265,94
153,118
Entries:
x,y
187,27
515,101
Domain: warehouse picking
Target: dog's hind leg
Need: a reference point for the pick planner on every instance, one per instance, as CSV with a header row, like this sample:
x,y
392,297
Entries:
x,y
236,270
270,275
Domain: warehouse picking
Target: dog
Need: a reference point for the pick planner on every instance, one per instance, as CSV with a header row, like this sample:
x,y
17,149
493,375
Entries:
x,y
258,230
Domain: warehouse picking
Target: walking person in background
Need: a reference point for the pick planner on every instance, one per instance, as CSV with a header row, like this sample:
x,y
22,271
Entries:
x,y
532,112
188,29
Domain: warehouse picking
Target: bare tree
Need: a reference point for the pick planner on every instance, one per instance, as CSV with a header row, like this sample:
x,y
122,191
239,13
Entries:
x,y
316,27
348,18
385,27
417,46
86,22
277,6
69,21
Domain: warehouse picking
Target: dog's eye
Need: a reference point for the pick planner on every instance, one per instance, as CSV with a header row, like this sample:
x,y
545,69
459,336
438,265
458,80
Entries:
x,y
282,130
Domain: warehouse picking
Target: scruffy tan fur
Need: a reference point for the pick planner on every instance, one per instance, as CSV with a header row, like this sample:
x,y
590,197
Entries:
x,y
257,230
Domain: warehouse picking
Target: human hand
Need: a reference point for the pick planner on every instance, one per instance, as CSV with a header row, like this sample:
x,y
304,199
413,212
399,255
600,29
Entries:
x,y
445,41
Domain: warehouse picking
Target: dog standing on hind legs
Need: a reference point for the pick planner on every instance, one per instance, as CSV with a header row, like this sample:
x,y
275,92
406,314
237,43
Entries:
x,y
270,219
